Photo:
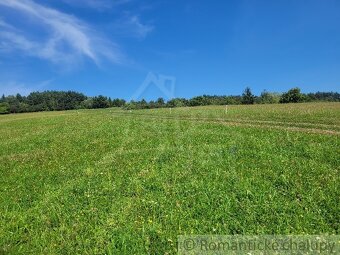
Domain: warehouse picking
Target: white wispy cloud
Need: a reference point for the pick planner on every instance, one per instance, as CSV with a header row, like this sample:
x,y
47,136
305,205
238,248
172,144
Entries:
x,y
141,30
131,26
13,40
68,37
4,24
97,4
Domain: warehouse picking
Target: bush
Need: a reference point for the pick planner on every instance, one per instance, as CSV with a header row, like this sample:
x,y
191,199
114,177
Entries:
x,y
100,102
268,98
4,108
177,102
118,102
87,104
292,96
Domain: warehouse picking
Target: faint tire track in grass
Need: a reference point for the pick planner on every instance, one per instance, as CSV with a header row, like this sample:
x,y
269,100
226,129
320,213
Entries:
x,y
246,123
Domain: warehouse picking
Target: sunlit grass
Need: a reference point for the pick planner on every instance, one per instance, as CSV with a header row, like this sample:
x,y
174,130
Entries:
x,y
114,182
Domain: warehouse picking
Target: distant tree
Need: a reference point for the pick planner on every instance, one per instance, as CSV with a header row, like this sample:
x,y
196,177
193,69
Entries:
x,y
177,102
87,104
132,105
200,100
233,100
128,106
323,96
268,98
3,99
248,97
292,96
19,97
195,101
143,104
100,102
153,104
23,107
66,100
160,103
13,104
110,102
118,102
4,108
54,100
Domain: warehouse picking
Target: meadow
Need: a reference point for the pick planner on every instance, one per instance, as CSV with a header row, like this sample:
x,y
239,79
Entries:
x,y
113,181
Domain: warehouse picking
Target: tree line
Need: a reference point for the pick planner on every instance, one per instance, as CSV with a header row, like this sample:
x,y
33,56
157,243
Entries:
x,y
70,100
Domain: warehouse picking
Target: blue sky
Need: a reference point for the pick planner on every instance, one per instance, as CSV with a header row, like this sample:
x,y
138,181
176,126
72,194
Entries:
x,y
209,47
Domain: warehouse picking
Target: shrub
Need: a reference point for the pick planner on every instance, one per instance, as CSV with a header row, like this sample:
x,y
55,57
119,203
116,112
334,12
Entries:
x,y
4,108
268,98
100,102
292,96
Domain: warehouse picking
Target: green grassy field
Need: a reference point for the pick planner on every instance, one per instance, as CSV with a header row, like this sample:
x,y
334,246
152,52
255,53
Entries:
x,y
119,182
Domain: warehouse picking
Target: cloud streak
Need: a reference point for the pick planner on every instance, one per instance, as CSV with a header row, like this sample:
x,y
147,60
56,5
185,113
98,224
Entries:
x,y
3,24
138,28
68,38
97,4
131,26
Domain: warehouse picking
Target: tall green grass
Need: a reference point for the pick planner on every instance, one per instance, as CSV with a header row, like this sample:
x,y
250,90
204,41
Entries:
x,y
115,182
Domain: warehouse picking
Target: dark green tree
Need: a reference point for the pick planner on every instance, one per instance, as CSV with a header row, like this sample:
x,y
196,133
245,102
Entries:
x,y
160,103
152,104
4,108
292,96
110,102
177,102
143,104
248,97
19,98
118,102
100,102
